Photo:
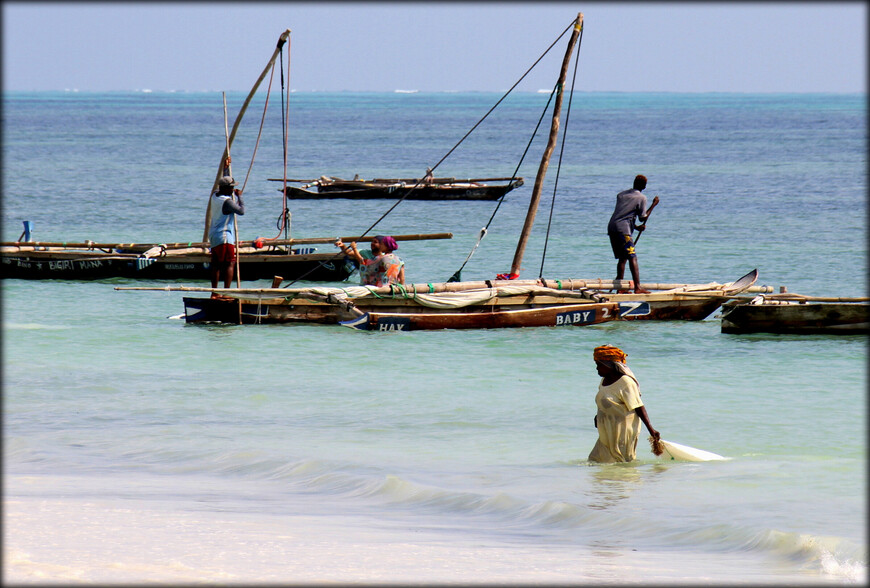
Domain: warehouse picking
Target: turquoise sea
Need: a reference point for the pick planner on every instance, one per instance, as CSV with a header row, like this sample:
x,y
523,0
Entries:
x,y
139,449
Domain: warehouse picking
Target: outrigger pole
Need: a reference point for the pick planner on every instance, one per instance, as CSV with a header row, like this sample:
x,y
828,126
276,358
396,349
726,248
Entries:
x,y
545,160
281,41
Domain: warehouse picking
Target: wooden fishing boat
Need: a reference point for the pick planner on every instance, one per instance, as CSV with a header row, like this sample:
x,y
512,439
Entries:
x,y
386,309
461,305
177,261
797,314
407,188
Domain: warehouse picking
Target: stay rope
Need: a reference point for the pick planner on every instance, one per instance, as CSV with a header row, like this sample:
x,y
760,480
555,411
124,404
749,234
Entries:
x,y
282,223
260,131
561,153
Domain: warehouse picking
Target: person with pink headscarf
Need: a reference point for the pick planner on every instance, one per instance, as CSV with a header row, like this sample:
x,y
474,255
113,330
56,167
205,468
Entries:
x,y
380,266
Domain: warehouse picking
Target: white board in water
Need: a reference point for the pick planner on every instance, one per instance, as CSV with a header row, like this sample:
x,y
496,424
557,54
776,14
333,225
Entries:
x,y
677,452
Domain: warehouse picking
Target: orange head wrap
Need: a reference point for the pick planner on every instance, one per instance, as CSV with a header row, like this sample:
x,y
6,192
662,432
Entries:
x,y
609,353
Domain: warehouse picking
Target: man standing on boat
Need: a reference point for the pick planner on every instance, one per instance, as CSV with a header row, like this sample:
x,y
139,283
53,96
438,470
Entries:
x,y
629,204
222,234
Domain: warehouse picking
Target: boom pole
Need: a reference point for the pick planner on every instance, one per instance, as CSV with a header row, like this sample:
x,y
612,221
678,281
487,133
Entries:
x,y
551,144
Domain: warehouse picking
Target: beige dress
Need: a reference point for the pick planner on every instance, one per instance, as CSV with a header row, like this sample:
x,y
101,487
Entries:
x,y
618,424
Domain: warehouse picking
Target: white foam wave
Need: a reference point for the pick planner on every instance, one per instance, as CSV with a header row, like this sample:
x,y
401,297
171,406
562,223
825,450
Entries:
x,y
830,556
849,570
399,492
34,327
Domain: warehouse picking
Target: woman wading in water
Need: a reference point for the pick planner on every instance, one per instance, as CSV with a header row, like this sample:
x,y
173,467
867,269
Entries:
x,y
620,409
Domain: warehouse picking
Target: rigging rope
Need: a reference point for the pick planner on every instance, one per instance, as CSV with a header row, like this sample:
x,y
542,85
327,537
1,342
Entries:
x,y
260,132
561,153
457,275
282,223
440,161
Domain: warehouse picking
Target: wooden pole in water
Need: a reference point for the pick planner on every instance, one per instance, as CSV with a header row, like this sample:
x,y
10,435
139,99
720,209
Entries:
x,y
135,247
281,40
551,144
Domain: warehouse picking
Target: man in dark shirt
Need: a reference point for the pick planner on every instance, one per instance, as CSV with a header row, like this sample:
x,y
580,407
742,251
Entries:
x,y
629,204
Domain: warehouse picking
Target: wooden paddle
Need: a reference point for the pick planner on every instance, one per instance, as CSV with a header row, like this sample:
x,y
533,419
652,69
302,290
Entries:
x,y
648,212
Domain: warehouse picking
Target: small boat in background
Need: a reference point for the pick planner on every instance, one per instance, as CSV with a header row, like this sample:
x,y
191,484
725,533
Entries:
x,y
789,313
258,259
408,188
164,261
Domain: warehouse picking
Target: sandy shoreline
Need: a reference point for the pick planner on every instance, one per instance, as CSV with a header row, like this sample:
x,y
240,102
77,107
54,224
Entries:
x,y
63,541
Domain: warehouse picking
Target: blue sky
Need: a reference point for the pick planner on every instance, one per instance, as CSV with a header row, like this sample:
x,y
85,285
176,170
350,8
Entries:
x,y
440,46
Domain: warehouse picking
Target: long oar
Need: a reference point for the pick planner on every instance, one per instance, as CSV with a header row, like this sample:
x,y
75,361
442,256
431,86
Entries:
x,y
648,212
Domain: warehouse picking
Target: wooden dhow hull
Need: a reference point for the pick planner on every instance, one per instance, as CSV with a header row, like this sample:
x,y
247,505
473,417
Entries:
x,y
407,189
180,261
803,318
665,302
245,311
487,193
90,265
460,305
386,311
665,307
495,318
198,310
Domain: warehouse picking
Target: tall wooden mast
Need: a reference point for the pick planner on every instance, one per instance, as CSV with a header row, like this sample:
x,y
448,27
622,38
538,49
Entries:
x,y
551,144
281,41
